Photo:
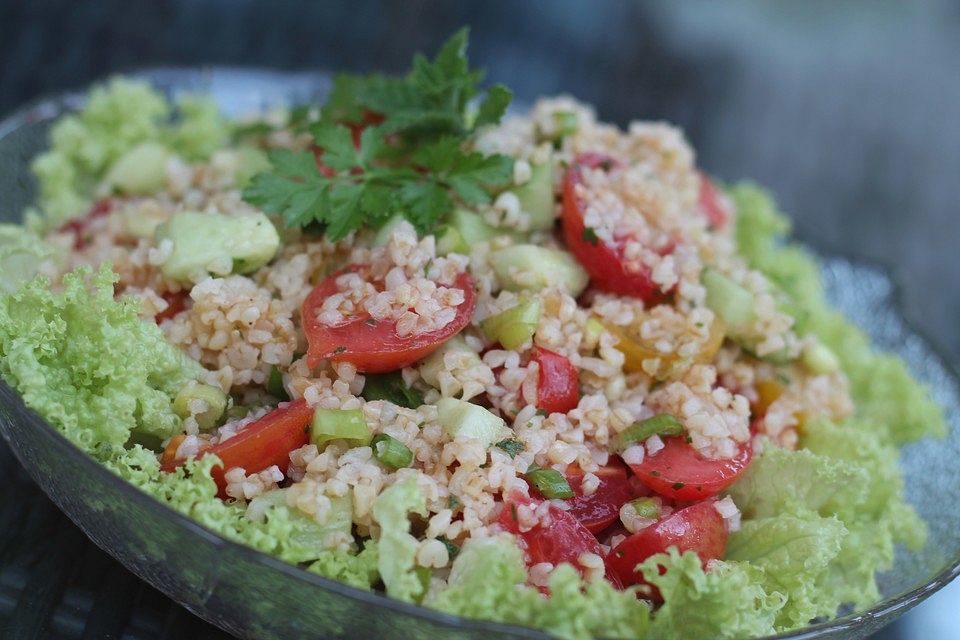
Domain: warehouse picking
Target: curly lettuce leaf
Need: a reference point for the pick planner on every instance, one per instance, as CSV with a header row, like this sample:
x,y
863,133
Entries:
x,y
88,363
119,116
898,407
397,547
22,255
792,551
727,601
488,582
357,570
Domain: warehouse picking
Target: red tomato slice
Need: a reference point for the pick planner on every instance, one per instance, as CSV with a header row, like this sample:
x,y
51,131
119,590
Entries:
x,y
558,390
713,207
563,540
699,528
603,262
375,347
601,508
678,471
78,226
265,443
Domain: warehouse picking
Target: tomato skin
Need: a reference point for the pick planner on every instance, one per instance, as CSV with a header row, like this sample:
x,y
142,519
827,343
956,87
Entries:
x,y
699,528
265,443
601,508
558,390
678,471
711,204
375,348
563,540
602,262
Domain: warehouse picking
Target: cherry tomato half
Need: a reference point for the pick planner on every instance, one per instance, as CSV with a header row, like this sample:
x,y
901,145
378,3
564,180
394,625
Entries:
x,y
603,262
372,346
711,203
601,508
564,539
678,471
265,443
699,528
558,390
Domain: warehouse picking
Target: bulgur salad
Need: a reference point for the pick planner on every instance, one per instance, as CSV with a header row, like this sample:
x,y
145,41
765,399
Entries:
x,y
526,367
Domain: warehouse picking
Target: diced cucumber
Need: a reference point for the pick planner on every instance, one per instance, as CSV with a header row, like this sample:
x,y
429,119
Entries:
x,y
449,240
514,326
142,222
730,301
215,399
307,538
383,234
528,267
250,162
219,244
536,196
141,170
433,364
474,229
339,424
463,419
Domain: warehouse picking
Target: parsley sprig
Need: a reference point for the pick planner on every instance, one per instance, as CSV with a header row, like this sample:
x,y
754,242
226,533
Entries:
x,y
417,161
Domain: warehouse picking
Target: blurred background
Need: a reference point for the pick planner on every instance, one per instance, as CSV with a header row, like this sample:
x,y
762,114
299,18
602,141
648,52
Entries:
x,y
848,111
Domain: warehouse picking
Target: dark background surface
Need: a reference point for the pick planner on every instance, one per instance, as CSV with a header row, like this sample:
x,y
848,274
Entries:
x,y
849,111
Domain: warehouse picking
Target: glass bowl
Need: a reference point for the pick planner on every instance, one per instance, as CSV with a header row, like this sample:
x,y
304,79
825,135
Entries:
x,y
250,594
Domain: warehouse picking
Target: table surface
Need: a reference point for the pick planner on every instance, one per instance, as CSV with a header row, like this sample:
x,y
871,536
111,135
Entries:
x,y
849,112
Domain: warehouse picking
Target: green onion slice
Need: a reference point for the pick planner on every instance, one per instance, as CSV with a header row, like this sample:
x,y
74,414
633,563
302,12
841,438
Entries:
x,y
663,424
549,482
390,452
275,385
515,325
646,508
339,424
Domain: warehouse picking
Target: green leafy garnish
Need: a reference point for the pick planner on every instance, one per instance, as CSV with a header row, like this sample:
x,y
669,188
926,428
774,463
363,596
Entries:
x,y
392,388
416,160
511,445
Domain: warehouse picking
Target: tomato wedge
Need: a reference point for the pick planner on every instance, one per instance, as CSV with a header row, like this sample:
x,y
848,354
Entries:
x,y
601,508
711,204
699,528
375,347
678,471
265,443
603,262
564,539
558,390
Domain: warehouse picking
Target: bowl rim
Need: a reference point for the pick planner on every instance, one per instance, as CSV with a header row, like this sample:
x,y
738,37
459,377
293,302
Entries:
x,y
50,106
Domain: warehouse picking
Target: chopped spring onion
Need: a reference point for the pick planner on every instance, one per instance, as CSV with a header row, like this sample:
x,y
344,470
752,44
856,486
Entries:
x,y
390,452
514,326
646,508
216,403
452,549
549,482
663,424
339,424
275,385
391,387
